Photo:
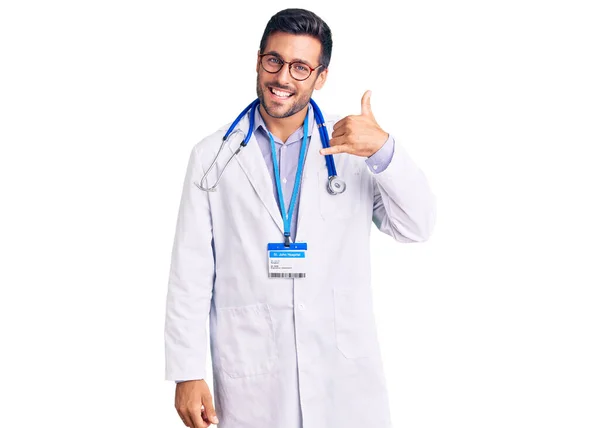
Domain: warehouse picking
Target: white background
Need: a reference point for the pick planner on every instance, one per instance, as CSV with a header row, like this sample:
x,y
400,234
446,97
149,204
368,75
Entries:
x,y
494,322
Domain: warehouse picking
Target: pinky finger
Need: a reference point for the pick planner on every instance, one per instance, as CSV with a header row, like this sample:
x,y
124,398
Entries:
x,y
342,148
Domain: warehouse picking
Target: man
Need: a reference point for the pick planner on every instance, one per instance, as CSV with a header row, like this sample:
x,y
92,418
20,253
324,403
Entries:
x,y
297,350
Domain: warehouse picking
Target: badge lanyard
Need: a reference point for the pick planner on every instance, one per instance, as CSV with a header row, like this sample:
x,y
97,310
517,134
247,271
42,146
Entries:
x,y
288,260
287,214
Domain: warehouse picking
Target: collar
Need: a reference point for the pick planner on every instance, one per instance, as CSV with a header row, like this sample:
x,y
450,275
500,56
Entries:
x,y
260,123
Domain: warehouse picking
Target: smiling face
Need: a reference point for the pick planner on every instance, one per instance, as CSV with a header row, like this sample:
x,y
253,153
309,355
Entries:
x,y
279,93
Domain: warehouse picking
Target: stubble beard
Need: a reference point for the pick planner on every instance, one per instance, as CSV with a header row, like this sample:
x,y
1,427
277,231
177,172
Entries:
x,y
298,105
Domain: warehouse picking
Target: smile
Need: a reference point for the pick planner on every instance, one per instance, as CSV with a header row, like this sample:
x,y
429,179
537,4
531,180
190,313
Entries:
x,y
279,93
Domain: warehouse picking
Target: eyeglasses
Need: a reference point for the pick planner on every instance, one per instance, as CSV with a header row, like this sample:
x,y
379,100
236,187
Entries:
x,y
298,70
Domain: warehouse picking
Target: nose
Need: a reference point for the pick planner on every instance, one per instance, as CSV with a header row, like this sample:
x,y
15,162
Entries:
x,y
284,74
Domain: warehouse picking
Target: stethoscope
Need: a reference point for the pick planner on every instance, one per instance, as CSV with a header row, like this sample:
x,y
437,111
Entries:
x,y
335,185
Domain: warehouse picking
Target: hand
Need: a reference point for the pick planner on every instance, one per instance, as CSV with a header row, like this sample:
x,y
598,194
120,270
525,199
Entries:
x,y
358,135
194,404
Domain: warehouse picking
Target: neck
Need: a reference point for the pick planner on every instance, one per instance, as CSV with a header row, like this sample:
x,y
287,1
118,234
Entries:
x,y
283,127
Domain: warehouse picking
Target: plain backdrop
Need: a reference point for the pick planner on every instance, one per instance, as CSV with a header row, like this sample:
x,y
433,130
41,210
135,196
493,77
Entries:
x,y
494,322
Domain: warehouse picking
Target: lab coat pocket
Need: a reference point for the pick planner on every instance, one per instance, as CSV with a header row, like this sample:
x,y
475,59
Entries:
x,y
246,340
355,329
343,205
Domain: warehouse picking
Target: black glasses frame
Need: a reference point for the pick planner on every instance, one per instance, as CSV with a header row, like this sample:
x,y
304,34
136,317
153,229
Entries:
x,y
289,66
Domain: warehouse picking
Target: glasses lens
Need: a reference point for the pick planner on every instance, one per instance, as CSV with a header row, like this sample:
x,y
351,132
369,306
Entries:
x,y
300,71
271,63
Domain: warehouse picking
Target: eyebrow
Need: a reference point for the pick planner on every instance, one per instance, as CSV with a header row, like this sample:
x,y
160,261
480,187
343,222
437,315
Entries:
x,y
274,53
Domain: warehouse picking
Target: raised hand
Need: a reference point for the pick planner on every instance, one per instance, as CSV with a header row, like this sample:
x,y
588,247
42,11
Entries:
x,y
358,135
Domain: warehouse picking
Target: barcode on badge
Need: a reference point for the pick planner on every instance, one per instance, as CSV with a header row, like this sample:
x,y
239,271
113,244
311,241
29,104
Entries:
x,y
286,275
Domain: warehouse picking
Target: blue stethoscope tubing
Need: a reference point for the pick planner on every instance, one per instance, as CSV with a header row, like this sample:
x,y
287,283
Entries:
x,y
335,185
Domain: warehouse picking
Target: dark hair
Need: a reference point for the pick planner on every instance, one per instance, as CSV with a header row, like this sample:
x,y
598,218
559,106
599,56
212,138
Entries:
x,y
301,22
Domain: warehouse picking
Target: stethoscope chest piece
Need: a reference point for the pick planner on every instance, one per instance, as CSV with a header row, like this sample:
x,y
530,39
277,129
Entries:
x,y
336,185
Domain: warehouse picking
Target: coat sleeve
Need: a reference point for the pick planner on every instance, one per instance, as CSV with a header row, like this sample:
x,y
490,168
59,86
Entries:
x,y
191,279
404,206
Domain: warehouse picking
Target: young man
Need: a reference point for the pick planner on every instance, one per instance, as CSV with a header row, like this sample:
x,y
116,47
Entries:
x,y
296,349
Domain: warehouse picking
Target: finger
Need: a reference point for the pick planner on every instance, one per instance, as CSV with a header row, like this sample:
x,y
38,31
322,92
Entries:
x,y
341,148
340,123
196,416
187,421
337,141
183,413
365,104
209,410
205,418
338,132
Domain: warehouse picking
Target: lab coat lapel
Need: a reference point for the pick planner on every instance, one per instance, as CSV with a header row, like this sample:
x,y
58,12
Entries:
x,y
252,163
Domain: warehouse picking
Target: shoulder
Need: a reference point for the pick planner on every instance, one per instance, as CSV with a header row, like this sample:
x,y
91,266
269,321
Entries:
x,y
212,142
205,150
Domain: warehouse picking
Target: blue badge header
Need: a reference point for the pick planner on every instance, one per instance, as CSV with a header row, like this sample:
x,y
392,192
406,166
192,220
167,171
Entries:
x,y
287,254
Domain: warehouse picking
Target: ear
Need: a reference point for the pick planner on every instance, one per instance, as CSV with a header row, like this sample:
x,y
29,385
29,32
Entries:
x,y
321,79
257,60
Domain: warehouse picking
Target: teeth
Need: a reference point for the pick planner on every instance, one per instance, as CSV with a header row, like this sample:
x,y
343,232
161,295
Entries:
x,y
279,93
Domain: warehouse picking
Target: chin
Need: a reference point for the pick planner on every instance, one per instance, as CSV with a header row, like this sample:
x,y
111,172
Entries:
x,y
275,109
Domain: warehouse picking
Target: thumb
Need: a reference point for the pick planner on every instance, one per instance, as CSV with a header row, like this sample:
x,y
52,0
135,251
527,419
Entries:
x,y
210,410
365,104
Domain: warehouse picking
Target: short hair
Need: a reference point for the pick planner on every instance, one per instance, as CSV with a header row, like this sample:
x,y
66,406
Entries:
x,y
301,22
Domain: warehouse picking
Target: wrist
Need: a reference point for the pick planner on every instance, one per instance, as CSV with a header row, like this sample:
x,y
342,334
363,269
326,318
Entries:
x,y
380,143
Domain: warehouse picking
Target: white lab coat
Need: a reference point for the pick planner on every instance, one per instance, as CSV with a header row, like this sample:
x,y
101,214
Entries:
x,y
286,353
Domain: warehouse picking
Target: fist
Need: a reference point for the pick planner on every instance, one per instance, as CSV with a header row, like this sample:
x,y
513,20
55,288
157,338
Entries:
x,y
194,404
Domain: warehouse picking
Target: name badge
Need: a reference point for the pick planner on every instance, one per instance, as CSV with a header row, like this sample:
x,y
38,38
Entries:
x,y
287,262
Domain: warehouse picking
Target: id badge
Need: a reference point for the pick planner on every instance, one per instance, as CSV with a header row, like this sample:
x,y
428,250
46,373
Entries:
x,y
287,262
